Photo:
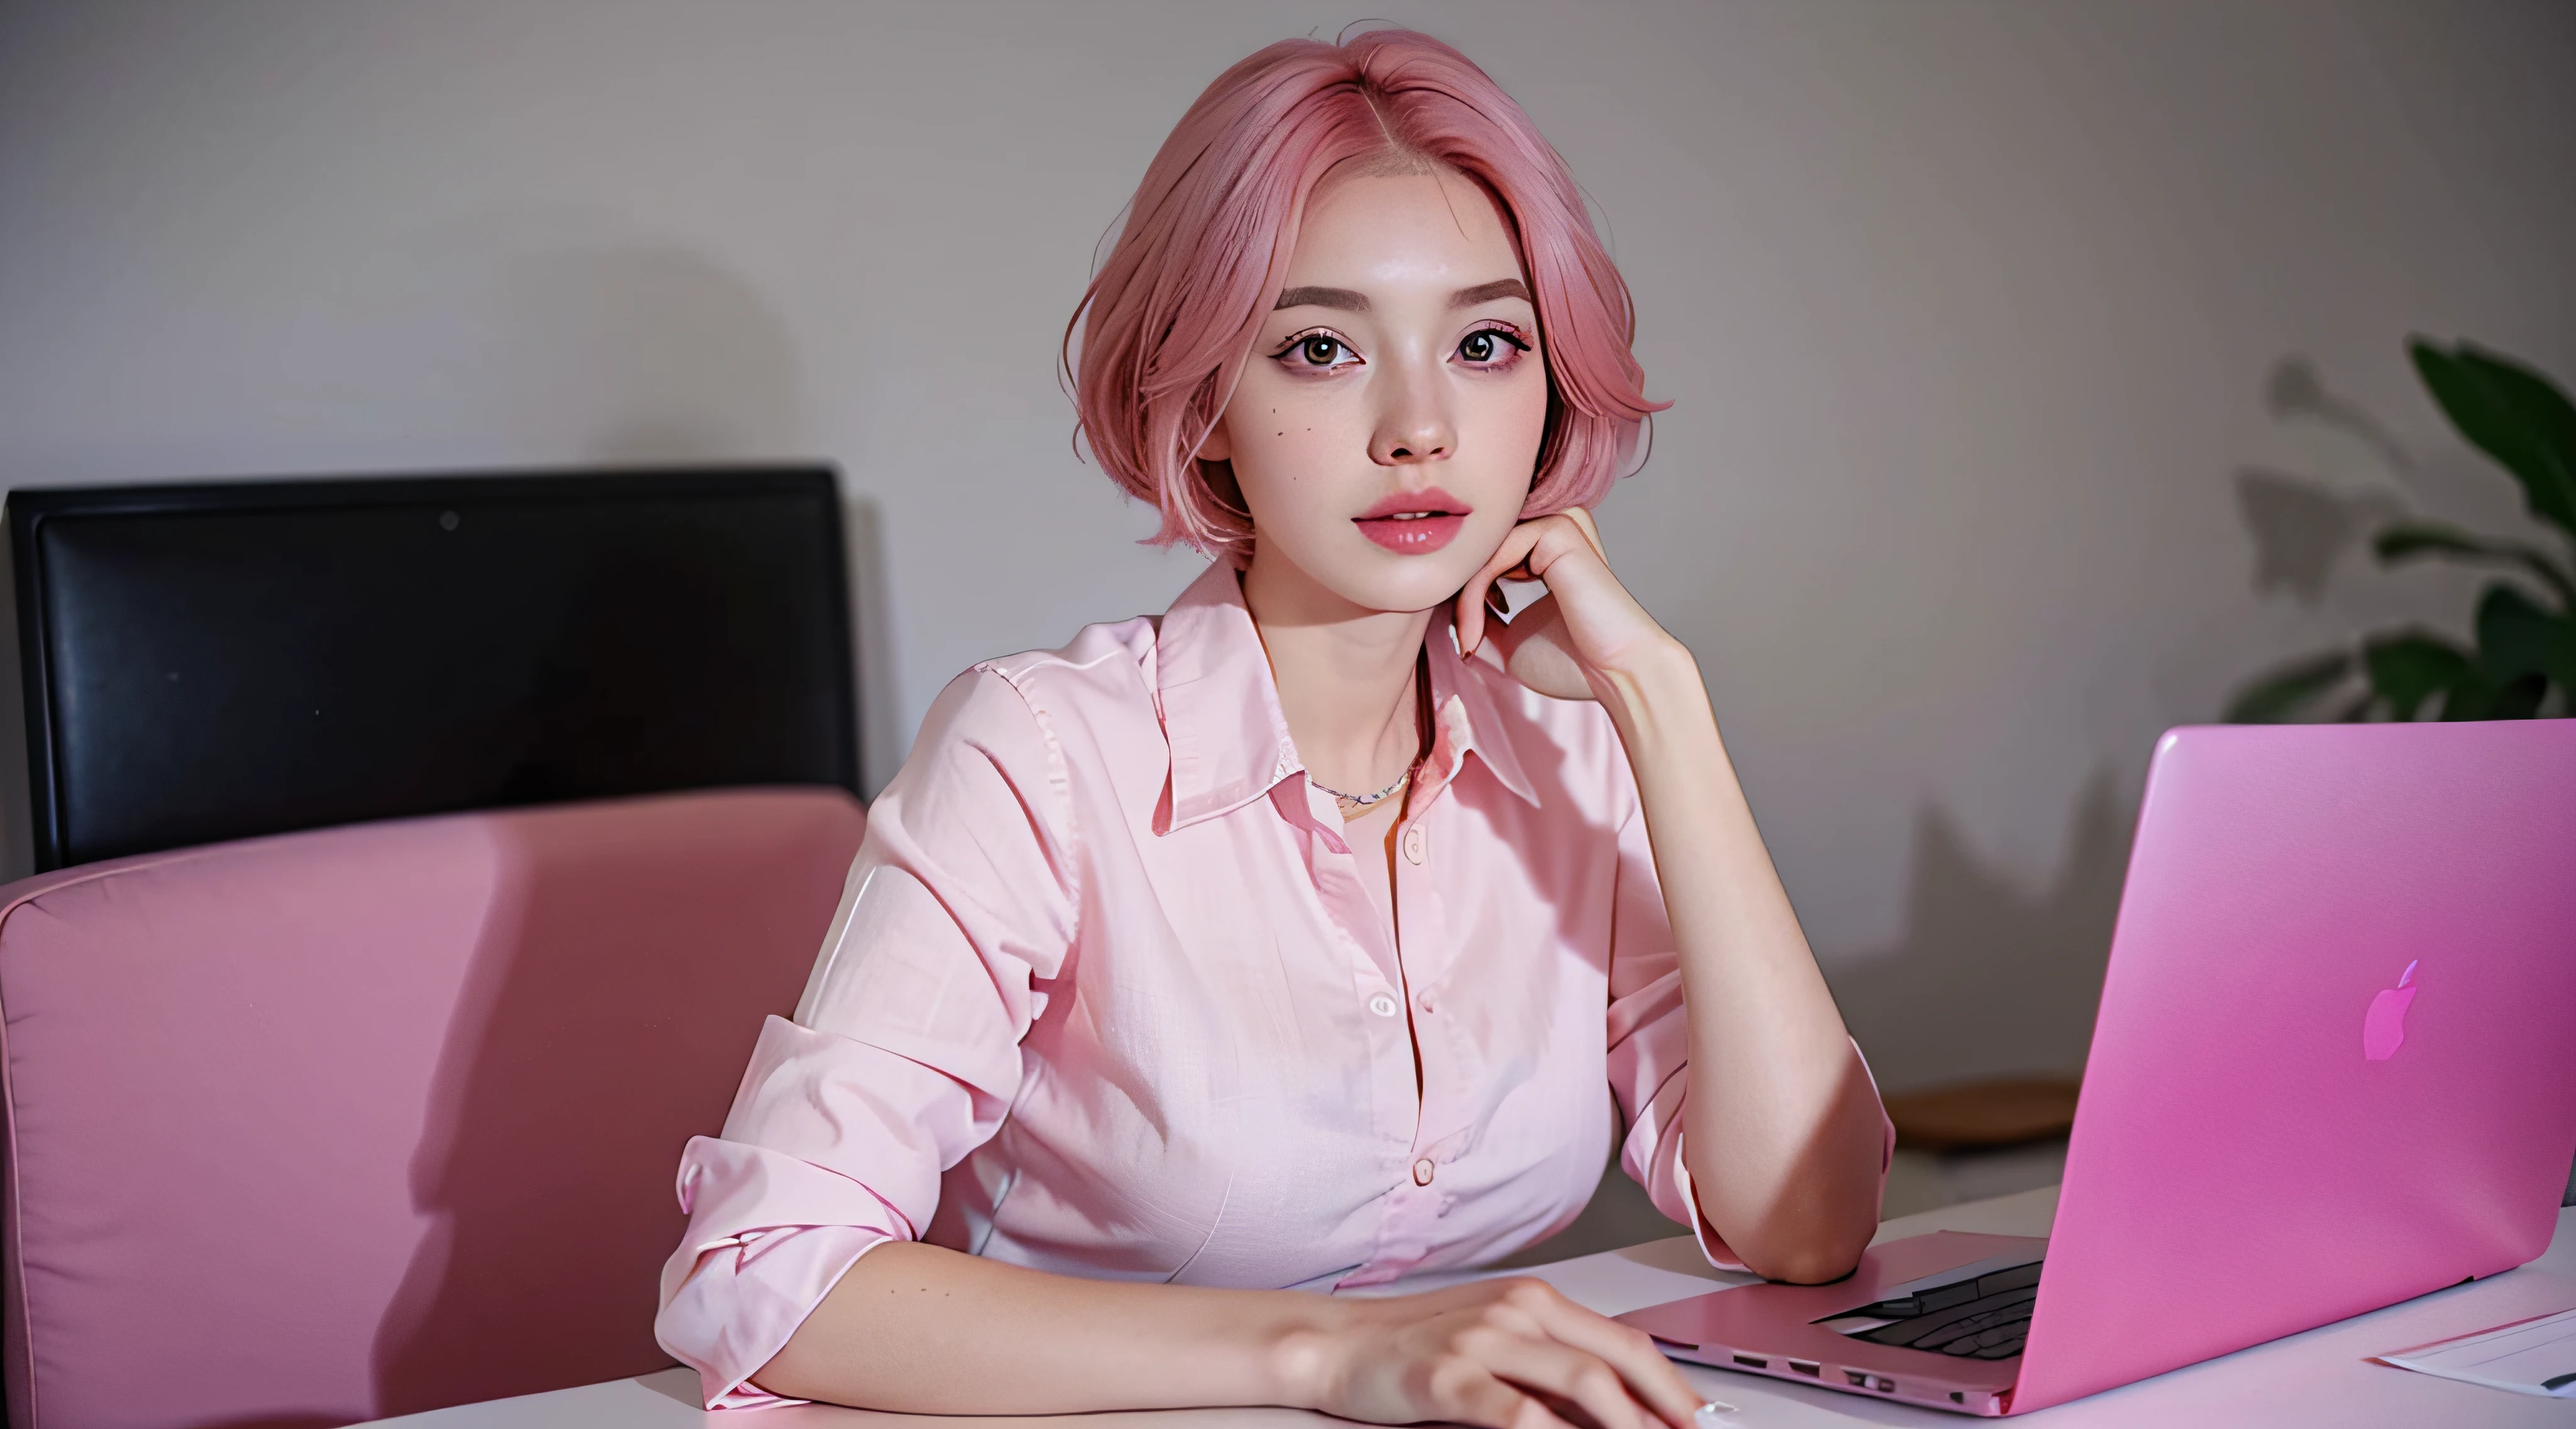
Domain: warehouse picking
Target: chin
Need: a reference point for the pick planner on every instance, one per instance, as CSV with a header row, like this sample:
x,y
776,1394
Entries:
x,y
1413,583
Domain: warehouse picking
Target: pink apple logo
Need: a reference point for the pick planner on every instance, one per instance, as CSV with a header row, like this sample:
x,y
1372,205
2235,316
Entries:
x,y
2383,1028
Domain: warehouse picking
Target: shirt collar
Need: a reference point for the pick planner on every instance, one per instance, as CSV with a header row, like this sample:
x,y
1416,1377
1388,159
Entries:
x,y
1228,737
1467,685
1221,716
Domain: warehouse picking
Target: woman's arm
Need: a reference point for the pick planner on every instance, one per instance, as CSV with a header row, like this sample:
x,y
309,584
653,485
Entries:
x,y
1782,1132
919,1329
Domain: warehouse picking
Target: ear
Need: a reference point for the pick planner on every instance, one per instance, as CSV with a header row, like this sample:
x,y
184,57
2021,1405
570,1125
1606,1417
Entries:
x,y
1218,446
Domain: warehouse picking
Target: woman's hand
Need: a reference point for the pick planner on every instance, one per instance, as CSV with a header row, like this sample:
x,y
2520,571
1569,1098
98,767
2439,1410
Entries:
x,y
1506,1354
1577,640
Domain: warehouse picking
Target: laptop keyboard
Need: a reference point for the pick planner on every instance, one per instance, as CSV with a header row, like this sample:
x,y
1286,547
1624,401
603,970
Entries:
x,y
1987,1318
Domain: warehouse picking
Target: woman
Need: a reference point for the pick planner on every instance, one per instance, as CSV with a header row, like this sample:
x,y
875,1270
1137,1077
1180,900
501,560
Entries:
x,y
1287,942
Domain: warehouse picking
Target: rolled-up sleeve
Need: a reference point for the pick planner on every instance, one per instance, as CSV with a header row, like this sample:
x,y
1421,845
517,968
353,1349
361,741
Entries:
x,y
1649,1041
904,1054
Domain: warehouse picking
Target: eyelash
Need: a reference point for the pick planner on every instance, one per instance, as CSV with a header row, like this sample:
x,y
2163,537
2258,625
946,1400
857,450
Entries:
x,y
1509,337
1503,331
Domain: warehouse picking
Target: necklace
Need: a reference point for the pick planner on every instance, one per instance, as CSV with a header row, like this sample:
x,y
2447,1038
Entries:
x,y
1356,805
1360,801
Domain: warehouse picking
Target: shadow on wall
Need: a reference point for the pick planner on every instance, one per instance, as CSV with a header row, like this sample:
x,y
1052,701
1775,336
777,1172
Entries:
x,y
652,354
641,353
2302,526
1989,979
881,742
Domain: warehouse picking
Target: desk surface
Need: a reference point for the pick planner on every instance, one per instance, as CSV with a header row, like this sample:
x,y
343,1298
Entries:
x,y
2322,1377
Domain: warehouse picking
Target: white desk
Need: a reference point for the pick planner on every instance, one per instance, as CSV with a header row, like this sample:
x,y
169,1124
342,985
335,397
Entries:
x,y
2321,1377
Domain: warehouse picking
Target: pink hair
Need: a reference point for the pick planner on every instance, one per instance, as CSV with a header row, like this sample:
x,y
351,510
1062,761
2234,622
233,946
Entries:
x,y
1170,319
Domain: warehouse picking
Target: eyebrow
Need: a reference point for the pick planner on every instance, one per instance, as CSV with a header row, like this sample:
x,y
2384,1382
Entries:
x,y
1487,292
1351,301
1343,298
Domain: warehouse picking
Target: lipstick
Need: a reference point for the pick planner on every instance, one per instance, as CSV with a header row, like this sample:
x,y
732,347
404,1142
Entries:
x,y
1414,523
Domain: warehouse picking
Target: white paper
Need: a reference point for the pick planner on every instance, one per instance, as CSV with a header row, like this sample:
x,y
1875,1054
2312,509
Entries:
x,y
2536,1356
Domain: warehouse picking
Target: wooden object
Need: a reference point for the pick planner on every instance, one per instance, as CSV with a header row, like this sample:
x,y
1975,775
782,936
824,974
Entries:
x,y
2002,1112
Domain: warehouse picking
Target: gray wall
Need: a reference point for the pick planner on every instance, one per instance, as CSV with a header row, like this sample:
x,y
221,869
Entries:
x,y
1975,315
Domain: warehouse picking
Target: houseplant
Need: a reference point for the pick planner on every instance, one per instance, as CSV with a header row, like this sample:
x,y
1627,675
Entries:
x,y
2522,659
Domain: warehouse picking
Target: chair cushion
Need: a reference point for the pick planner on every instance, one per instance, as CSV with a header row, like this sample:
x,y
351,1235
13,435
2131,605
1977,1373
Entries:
x,y
376,1119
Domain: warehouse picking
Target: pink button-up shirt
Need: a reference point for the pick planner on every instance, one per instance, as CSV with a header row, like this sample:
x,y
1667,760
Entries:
x,y
1105,996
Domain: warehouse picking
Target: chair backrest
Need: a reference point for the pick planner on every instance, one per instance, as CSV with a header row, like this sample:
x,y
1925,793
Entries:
x,y
371,1120
223,660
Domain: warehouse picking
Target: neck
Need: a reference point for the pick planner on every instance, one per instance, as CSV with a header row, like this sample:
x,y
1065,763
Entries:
x,y
1344,672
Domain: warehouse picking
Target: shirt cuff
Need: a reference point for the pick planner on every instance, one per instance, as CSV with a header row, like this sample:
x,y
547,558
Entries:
x,y
746,1298
1711,1245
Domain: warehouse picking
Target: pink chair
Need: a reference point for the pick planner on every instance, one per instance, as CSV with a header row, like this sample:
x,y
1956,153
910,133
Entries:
x,y
371,1120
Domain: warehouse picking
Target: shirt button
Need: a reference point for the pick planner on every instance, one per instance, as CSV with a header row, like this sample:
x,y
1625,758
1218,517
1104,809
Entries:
x,y
1382,1005
1422,1170
1424,1002
1413,844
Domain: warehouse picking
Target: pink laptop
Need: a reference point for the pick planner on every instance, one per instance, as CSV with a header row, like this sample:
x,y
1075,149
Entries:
x,y
2334,1067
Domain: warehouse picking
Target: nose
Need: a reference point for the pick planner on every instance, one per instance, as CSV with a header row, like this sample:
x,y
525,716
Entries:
x,y
1414,423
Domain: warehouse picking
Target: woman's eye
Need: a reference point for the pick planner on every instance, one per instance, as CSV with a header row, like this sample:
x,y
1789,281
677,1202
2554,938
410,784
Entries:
x,y
1489,345
1321,351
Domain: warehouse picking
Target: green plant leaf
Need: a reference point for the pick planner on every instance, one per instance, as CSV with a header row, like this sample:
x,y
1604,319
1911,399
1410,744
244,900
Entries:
x,y
2471,698
2512,413
2277,696
2409,668
2517,639
2519,700
2474,698
2408,540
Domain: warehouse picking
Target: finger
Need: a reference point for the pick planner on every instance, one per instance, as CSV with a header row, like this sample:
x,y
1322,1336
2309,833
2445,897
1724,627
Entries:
x,y
1514,551
1533,551
1582,519
1470,1394
1563,1373
1650,1377
1563,537
1528,554
1471,597
1535,616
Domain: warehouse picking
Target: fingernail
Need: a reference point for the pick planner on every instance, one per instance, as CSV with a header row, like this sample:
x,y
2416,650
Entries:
x,y
1715,1415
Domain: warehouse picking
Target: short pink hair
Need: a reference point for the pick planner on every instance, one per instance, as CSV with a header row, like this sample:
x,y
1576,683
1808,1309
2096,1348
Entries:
x,y
1170,320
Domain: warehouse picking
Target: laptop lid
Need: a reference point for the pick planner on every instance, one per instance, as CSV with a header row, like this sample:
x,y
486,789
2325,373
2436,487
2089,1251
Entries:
x,y
2335,1064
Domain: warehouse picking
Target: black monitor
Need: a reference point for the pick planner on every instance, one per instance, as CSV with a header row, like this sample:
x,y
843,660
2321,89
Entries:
x,y
221,660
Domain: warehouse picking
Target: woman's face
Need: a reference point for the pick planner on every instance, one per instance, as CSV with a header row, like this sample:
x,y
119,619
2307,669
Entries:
x,y
1386,427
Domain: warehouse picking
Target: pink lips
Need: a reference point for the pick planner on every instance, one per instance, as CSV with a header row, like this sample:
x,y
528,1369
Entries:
x,y
1414,523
